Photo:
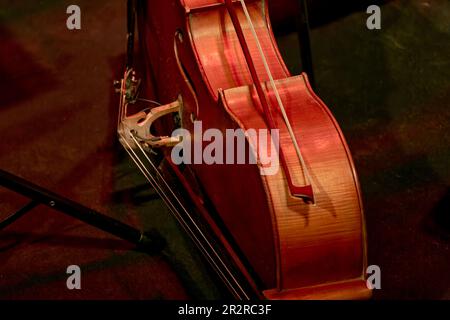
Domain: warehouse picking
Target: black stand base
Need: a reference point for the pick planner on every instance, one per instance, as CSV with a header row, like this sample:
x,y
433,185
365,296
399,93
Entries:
x,y
40,196
305,42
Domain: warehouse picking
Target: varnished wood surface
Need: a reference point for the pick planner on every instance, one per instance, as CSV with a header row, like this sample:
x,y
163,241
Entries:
x,y
348,290
219,52
288,244
317,243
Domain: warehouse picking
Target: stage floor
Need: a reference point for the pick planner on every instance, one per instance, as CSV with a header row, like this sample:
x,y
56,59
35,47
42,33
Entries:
x,y
388,89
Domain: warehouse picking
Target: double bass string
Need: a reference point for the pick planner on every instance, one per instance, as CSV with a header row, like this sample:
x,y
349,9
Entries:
x,y
136,159
217,262
185,226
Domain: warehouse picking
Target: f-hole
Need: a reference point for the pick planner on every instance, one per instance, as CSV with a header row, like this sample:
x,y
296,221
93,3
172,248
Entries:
x,y
179,38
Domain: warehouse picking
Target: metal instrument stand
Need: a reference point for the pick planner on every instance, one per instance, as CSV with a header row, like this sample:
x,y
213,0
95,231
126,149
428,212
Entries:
x,y
41,196
305,41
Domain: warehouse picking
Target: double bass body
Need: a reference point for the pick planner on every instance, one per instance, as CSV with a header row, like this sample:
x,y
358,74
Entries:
x,y
294,248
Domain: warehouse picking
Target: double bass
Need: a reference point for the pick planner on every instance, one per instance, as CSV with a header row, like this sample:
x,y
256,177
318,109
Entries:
x,y
297,232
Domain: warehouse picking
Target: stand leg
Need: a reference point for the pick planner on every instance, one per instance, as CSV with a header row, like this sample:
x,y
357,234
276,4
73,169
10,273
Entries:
x,y
20,213
100,221
305,42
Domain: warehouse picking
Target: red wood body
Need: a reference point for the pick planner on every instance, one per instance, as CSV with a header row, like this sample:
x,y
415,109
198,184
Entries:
x,y
295,250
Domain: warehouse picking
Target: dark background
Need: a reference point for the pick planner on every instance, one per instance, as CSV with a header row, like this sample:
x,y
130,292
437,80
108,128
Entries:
x,y
389,89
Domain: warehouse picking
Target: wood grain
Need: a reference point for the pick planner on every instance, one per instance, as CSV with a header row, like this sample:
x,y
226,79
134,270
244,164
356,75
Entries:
x,y
294,249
